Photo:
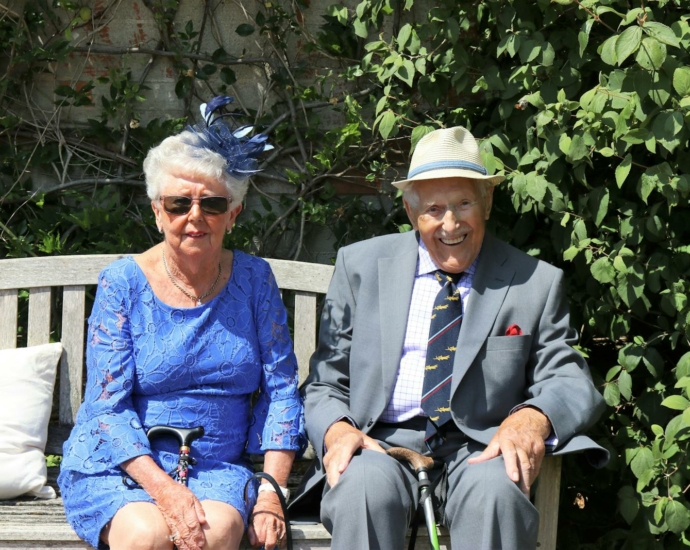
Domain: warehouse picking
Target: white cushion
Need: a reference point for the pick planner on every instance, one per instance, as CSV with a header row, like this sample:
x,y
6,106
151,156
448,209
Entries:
x,y
27,379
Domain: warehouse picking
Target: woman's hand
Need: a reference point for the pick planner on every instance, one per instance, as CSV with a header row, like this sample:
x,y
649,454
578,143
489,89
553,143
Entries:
x,y
181,510
184,515
267,524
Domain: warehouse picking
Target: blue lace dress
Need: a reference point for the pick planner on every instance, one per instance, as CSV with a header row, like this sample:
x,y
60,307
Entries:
x,y
150,363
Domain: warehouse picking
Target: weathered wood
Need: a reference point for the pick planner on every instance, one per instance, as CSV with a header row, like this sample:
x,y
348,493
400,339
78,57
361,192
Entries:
x,y
546,501
39,316
9,305
72,361
305,331
84,270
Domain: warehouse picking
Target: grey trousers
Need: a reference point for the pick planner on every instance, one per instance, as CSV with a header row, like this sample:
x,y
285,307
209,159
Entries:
x,y
375,499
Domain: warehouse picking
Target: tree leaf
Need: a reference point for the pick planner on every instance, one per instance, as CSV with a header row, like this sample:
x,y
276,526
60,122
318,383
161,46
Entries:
x,y
623,169
676,402
612,395
628,43
651,54
603,271
667,125
628,503
599,204
643,461
577,149
583,35
625,385
404,35
681,80
245,29
387,122
536,187
607,50
662,33
676,516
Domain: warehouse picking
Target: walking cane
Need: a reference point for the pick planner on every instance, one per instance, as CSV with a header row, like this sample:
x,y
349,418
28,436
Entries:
x,y
283,504
421,465
185,437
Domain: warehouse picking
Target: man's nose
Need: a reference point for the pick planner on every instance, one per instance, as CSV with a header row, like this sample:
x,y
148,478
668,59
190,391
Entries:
x,y
450,220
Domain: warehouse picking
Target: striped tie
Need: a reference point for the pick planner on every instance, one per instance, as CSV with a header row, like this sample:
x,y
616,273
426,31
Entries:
x,y
446,318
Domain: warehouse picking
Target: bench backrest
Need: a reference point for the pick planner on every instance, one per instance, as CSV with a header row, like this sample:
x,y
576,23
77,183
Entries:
x,y
43,277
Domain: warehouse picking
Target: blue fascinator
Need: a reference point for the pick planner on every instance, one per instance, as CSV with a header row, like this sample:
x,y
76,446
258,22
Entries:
x,y
217,134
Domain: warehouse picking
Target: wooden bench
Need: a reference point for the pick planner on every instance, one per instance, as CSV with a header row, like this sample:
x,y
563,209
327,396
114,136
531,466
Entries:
x,y
65,280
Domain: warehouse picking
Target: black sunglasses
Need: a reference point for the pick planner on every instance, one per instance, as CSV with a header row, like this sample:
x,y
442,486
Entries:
x,y
211,205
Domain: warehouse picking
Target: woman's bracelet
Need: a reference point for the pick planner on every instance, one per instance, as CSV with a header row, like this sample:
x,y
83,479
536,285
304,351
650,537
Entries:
x,y
268,487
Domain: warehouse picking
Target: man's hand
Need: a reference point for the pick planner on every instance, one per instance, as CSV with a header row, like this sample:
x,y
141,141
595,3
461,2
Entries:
x,y
342,441
520,439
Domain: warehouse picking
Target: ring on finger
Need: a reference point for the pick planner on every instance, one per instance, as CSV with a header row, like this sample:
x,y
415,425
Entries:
x,y
173,536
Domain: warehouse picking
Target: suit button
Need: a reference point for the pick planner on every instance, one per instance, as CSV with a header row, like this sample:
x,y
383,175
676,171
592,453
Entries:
x,y
370,423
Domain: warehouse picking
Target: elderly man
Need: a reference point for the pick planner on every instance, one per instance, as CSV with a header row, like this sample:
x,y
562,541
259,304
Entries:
x,y
452,343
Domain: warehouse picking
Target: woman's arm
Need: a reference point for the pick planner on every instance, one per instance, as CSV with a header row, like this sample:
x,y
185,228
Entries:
x,y
268,524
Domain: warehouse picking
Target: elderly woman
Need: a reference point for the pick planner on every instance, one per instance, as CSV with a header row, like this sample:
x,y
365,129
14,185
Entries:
x,y
185,334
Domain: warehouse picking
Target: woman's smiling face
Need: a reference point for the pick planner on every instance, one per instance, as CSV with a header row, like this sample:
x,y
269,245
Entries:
x,y
450,216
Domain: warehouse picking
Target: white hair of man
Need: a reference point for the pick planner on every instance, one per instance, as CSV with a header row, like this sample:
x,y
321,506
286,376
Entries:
x,y
411,195
177,155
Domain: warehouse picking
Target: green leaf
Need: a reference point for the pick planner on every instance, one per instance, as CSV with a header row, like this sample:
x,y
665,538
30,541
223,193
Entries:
x,y
227,76
683,366
643,461
667,125
245,29
628,43
406,72
628,503
681,80
625,385
652,358
662,33
603,271
404,35
599,204
651,54
583,36
536,187
612,395
386,123
608,50
577,149
676,516
676,402
623,169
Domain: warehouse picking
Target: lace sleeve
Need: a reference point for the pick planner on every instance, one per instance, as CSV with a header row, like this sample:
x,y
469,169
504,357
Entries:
x,y
107,431
278,415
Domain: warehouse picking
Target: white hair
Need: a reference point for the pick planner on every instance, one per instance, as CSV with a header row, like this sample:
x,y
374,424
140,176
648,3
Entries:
x,y
175,155
411,195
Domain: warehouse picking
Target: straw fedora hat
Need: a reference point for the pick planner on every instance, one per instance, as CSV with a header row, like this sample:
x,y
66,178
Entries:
x,y
447,153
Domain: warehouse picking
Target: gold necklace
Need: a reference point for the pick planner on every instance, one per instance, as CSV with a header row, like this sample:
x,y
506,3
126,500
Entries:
x,y
192,297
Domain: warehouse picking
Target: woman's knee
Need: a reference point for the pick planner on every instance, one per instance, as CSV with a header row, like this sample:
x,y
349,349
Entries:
x,y
224,526
137,526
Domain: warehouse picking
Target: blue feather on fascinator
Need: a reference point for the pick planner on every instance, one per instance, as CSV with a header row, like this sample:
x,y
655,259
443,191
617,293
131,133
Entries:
x,y
215,134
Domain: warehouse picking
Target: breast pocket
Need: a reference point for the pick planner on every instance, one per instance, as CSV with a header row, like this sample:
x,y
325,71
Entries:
x,y
507,343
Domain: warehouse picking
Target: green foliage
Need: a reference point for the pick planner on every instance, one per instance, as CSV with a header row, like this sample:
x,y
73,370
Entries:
x,y
584,106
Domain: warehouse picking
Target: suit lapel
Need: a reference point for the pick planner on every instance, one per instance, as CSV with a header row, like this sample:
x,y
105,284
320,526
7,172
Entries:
x,y
396,279
490,285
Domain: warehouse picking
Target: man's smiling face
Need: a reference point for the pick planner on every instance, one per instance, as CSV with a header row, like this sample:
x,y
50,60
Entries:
x,y
450,215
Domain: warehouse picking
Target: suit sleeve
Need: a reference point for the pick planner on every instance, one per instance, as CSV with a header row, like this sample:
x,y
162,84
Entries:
x,y
559,382
327,389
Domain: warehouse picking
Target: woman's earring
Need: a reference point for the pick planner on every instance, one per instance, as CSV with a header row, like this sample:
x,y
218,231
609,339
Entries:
x,y
228,231
160,230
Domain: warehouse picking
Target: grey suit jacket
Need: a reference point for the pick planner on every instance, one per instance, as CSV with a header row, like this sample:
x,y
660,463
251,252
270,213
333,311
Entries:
x,y
363,326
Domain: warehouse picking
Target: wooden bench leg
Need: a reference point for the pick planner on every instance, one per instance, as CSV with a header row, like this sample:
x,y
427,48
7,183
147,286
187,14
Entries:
x,y
546,500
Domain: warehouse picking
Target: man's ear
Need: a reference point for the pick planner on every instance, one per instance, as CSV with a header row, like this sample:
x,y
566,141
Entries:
x,y
411,214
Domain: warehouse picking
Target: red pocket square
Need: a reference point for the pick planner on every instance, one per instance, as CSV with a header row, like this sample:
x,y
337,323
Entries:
x,y
514,330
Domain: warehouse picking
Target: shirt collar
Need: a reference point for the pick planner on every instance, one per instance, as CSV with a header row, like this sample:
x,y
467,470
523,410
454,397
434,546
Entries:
x,y
425,265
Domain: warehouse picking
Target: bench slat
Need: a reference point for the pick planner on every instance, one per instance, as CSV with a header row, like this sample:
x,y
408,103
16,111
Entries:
x,y
71,364
546,501
305,331
9,307
39,316
84,270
